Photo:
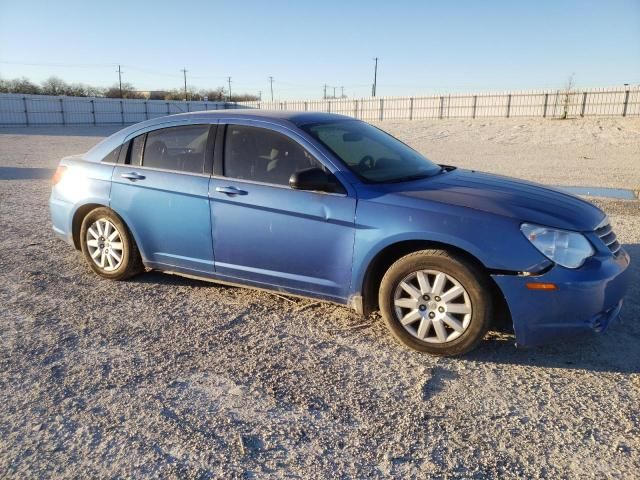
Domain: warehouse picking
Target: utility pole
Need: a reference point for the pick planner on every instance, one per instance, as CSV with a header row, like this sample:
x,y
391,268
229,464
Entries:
x,y
229,80
342,94
334,92
324,95
184,71
375,77
120,79
260,95
271,83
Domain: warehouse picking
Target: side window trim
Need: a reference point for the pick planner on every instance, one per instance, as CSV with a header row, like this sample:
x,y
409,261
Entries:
x,y
130,150
218,162
221,156
209,158
144,147
123,155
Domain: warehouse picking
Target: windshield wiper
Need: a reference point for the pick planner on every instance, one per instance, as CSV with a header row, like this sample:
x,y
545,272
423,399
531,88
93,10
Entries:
x,y
416,176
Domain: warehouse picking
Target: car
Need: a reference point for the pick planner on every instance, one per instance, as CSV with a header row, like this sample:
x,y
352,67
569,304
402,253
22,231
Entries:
x,y
326,206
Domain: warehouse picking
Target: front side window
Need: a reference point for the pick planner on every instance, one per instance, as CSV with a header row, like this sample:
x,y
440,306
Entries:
x,y
175,148
263,155
372,154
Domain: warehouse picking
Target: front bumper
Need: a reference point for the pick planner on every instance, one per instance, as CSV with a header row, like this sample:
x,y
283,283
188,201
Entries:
x,y
588,299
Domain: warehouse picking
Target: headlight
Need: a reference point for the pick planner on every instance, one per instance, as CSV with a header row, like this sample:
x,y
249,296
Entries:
x,y
569,249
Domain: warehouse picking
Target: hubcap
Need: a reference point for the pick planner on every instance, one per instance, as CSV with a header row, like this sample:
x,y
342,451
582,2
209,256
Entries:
x,y
105,245
432,306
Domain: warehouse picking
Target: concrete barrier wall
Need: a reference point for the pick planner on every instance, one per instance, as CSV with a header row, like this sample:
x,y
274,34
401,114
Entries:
x,y
17,109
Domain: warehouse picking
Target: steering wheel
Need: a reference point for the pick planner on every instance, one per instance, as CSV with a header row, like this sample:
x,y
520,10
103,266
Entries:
x,y
366,162
159,148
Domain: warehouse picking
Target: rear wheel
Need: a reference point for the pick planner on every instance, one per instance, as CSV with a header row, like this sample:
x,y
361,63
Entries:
x,y
435,302
108,247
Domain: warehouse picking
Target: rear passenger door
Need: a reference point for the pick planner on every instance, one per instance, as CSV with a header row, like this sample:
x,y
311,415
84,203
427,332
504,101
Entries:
x,y
265,232
160,189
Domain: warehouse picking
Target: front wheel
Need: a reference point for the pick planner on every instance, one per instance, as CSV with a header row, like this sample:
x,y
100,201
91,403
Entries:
x,y
108,246
435,302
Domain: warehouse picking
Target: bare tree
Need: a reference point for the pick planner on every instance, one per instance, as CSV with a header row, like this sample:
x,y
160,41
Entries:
x,y
567,96
128,91
19,85
54,86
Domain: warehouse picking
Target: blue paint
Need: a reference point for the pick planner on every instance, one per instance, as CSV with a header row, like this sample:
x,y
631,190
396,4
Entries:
x,y
321,245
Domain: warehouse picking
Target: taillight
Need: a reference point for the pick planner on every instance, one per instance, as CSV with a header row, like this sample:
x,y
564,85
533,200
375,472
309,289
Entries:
x,y
60,171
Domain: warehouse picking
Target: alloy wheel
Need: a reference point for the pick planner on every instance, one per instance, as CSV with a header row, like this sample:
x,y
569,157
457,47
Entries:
x,y
104,243
432,306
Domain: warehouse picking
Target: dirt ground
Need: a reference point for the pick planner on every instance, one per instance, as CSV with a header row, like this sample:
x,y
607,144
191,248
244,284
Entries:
x,y
162,376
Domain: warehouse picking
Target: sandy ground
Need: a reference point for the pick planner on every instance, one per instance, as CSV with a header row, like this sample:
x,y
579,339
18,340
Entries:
x,y
164,376
602,152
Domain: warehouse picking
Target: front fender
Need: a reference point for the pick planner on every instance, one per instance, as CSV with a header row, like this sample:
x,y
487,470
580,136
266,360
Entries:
x,y
494,240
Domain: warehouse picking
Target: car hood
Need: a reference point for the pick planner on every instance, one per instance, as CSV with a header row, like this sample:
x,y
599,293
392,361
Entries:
x,y
496,194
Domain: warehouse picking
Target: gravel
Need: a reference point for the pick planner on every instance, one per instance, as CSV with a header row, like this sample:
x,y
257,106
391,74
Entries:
x,y
162,376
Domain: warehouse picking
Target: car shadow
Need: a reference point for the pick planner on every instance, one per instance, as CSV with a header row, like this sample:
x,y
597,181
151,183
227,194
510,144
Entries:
x,y
25,173
155,277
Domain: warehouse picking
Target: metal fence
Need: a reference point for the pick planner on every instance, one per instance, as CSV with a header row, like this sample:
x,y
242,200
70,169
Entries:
x,y
18,109
28,110
598,102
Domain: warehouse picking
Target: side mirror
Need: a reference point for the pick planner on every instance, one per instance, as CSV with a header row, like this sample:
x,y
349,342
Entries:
x,y
315,179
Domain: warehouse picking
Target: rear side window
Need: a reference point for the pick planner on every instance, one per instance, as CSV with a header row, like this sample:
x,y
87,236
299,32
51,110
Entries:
x,y
176,148
112,157
263,155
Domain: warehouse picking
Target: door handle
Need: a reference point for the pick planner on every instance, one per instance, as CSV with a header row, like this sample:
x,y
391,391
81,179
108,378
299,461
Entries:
x,y
133,176
230,190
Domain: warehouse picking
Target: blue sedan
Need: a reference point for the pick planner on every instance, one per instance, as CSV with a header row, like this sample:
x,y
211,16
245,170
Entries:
x,y
325,206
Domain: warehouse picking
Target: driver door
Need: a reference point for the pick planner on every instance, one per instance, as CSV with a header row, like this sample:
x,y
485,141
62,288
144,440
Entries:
x,y
265,232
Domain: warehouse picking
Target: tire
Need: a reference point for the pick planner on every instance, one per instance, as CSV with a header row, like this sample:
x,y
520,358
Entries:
x,y
443,315
121,258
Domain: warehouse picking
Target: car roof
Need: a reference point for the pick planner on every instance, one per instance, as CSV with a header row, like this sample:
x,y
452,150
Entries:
x,y
278,116
283,117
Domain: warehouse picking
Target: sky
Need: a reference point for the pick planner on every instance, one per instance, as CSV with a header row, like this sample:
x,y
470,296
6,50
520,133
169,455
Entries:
x,y
423,47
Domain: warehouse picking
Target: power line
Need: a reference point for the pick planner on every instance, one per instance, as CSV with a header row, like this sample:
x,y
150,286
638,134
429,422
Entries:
x,y
153,72
71,65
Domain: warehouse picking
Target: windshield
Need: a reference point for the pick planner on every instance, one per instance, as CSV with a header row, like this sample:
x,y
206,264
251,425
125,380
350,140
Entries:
x,y
373,155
